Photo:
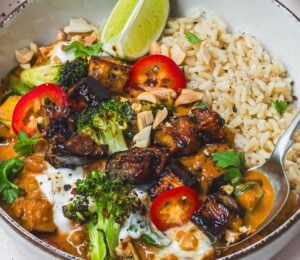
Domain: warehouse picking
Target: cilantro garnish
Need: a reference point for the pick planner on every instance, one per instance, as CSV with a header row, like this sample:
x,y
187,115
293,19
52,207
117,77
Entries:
x,y
233,162
8,170
192,38
280,106
80,49
25,144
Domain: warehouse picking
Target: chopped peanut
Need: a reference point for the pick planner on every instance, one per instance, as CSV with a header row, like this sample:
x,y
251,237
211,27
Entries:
x,y
155,48
24,55
90,39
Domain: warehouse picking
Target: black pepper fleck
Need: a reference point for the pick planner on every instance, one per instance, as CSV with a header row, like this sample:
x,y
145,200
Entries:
x,y
67,187
234,109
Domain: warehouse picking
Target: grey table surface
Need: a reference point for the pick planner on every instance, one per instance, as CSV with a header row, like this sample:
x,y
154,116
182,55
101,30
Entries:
x,y
9,250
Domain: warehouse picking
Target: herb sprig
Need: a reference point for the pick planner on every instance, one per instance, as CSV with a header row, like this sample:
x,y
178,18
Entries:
x,y
280,106
8,170
80,49
192,38
233,162
25,145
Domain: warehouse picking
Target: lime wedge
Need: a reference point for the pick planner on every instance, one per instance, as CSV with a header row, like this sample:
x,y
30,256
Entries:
x,y
132,26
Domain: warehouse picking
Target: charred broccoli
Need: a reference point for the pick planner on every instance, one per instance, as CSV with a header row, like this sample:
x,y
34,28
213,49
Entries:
x,y
65,75
103,204
106,123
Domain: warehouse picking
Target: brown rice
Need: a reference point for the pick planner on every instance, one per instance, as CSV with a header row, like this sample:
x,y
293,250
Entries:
x,y
240,83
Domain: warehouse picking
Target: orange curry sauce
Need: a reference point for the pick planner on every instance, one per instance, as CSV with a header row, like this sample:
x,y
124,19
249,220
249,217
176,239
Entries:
x,y
256,217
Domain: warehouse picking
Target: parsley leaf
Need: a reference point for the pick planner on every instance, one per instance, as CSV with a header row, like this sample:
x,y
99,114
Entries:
x,y
234,162
25,144
8,170
280,106
80,49
192,38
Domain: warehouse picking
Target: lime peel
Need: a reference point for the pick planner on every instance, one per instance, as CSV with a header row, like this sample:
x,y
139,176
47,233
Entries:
x,y
131,38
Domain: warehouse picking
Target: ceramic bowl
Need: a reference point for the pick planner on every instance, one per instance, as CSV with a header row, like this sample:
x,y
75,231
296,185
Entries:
x,y
272,23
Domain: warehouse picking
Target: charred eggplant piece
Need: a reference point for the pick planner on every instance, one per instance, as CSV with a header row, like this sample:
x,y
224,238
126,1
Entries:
x,y
60,122
167,182
137,165
184,135
84,145
215,213
210,125
174,176
180,136
63,160
87,93
111,73
184,175
79,150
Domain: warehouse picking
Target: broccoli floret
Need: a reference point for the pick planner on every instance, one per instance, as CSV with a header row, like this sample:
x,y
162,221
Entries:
x,y
113,200
65,75
106,123
73,72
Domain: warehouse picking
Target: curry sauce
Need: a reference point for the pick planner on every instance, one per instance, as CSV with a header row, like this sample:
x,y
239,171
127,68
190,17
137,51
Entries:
x,y
256,217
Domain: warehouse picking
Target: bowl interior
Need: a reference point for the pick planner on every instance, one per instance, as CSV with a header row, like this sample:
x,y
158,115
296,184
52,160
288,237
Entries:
x,y
270,23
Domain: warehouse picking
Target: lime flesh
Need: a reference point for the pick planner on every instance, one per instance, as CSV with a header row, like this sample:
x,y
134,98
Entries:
x,y
132,26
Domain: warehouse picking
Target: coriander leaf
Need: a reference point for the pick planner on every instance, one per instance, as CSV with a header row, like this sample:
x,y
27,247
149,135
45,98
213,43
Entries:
x,y
192,38
8,170
234,175
80,49
234,163
280,106
228,159
199,104
242,188
25,144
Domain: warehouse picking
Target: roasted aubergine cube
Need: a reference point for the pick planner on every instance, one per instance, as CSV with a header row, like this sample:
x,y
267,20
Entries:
x,y
174,176
111,73
215,214
210,125
179,136
166,182
78,150
87,93
184,135
249,195
137,165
